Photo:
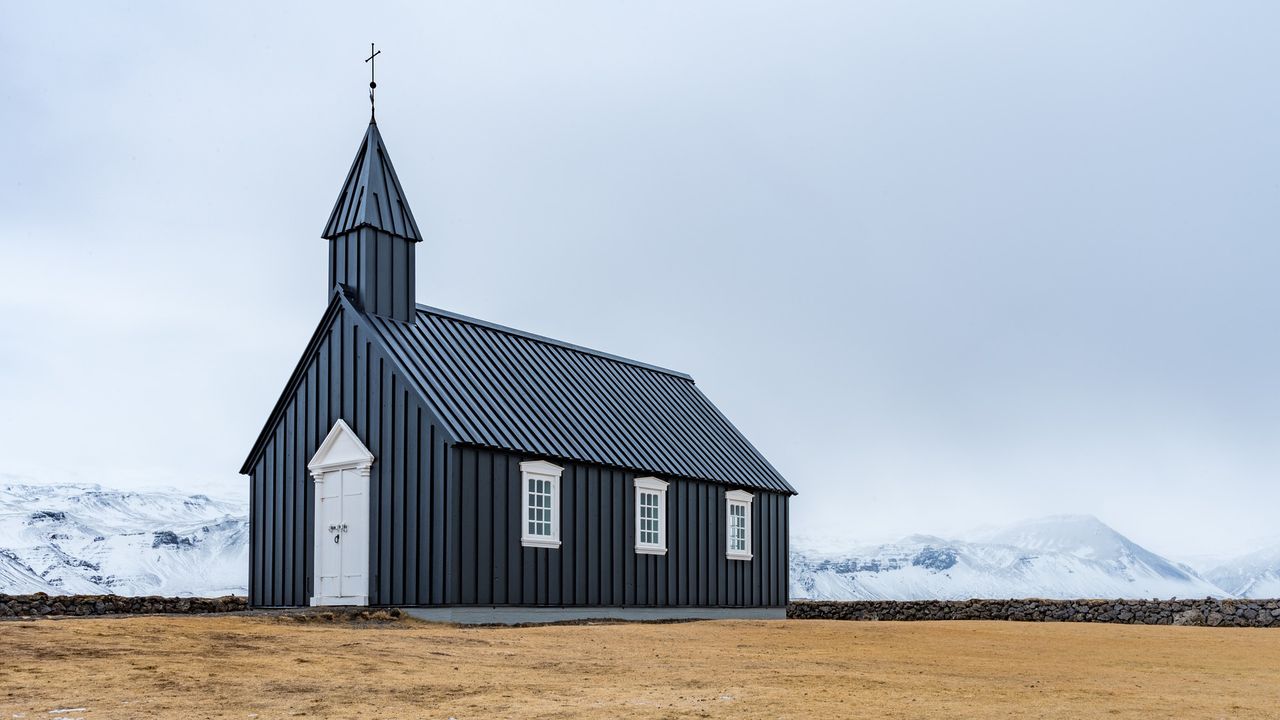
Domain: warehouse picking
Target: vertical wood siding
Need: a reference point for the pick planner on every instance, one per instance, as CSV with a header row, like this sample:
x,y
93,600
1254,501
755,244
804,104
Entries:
x,y
347,376
596,563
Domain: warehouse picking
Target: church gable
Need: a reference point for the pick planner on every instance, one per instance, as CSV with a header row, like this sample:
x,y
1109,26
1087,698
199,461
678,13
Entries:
x,y
338,377
346,377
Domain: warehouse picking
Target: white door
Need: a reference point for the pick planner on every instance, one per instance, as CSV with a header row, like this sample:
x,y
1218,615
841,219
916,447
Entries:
x,y
342,538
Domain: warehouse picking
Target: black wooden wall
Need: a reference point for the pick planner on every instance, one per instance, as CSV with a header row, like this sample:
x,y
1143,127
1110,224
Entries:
x,y
596,563
349,376
446,519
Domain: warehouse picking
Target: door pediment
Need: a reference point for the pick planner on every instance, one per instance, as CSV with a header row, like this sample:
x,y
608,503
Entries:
x,y
341,448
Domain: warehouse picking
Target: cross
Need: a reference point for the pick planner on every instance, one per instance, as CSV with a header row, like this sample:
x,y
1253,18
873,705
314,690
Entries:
x,y
372,83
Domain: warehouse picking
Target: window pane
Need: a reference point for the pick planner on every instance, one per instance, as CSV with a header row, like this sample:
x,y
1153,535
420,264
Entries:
x,y
540,501
648,526
738,527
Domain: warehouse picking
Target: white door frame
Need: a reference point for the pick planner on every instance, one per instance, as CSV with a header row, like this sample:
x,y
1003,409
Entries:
x,y
341,450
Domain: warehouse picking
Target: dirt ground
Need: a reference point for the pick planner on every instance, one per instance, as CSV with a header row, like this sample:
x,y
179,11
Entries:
x,y
268,667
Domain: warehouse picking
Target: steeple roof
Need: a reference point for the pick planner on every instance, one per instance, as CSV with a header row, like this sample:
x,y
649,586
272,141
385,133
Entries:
x,y
372,196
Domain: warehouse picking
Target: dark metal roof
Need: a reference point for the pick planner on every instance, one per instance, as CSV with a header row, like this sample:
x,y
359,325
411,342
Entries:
x,y
498,387
372,196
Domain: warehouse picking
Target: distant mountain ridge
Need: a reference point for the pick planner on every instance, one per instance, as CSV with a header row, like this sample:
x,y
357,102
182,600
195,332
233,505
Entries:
x,y
1256,575
83,538
1061,557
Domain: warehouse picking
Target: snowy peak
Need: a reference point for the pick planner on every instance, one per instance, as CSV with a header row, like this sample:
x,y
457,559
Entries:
x,y
77,538
1256,575
1088,538
1081,535
1054,557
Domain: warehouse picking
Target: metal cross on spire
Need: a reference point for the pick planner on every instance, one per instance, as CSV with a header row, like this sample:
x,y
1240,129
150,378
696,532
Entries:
x,y
373,85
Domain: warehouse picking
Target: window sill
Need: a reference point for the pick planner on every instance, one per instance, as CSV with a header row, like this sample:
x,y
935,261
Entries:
x,y
649,550
540,542
738,556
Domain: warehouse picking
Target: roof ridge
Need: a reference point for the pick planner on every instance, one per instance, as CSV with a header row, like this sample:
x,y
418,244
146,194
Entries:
x,y
551,341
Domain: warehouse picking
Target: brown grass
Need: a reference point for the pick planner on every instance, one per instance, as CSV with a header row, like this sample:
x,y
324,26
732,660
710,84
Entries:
x,y
238,666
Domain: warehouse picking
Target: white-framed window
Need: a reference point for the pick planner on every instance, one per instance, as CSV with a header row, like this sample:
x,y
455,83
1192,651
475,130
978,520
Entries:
x,y
651,516
738,514
540,488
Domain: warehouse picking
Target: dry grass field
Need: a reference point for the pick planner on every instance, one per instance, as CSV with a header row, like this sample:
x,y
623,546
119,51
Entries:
x,y
268,667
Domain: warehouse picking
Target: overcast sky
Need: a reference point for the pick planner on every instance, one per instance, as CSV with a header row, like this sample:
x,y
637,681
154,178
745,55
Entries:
x,y
946,264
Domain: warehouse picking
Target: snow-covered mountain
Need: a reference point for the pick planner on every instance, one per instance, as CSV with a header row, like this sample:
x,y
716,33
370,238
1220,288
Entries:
x,y
1256,575
74,538
1054,557
89,539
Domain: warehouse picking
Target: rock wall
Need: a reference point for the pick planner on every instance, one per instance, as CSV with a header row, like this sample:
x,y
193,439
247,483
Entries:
x,y
1210,612
40,605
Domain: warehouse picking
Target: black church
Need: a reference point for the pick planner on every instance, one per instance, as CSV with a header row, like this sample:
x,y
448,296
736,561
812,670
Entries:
x,y
472,472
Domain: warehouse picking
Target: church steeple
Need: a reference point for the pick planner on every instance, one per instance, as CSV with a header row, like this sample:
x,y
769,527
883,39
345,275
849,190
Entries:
x,y
372,233
372,194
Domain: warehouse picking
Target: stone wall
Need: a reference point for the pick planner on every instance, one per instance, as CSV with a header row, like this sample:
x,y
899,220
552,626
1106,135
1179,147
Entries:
x,y
1210,612
41,605
1225,613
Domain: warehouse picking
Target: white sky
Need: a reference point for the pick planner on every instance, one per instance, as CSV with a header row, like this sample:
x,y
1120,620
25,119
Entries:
x,y
946,264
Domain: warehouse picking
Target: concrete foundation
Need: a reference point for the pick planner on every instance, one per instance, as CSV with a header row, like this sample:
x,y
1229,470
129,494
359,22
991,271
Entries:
x,y
509,615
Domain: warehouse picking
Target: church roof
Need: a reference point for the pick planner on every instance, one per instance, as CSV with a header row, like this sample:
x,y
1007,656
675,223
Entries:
x,y
498,387
372,196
